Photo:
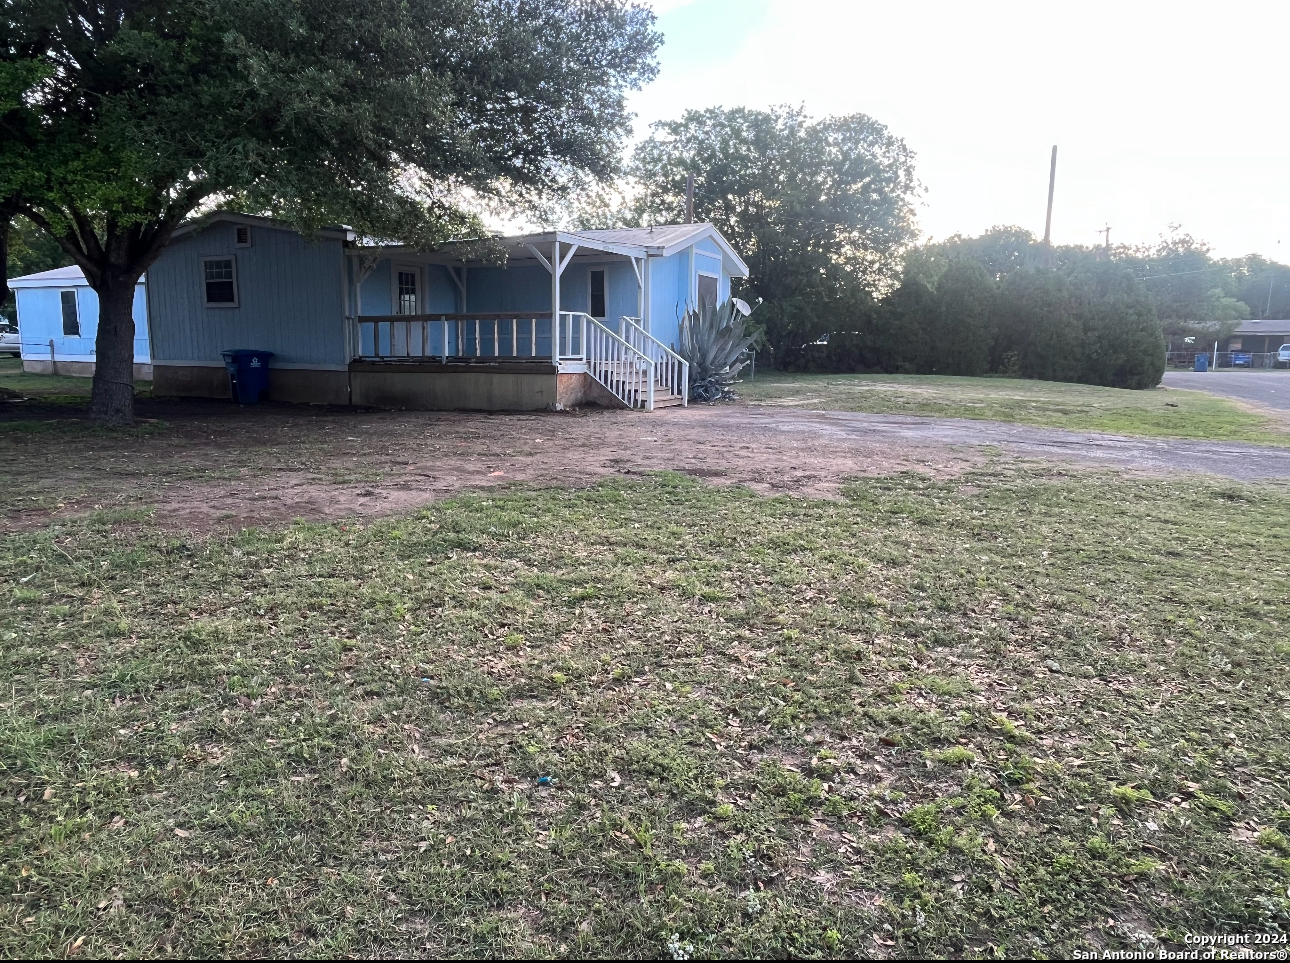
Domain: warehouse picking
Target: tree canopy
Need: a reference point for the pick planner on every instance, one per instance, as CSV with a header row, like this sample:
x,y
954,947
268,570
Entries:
x,y
1089,321
122,118
1192,292
821,210
29,251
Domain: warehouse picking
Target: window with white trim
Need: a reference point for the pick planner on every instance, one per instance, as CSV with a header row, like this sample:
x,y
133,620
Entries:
x,y
71,314
708,289
219,278
407,294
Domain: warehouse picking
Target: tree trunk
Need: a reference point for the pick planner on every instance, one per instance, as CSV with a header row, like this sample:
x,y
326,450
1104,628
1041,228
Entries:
x,y
112,400
5,220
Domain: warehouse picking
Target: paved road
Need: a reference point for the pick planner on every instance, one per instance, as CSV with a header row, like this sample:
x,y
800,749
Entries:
x,y
1271,389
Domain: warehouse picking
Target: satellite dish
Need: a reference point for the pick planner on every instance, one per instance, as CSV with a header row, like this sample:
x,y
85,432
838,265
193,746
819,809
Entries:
x,y
741,306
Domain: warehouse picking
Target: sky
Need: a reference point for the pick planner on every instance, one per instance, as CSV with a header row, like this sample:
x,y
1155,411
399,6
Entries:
x,y
1162,113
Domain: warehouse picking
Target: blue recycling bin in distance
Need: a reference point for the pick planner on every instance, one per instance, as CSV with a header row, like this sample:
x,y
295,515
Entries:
x,y
1202,362
248,373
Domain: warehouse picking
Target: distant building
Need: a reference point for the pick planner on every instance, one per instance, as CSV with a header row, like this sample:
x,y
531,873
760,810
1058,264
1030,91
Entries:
x,y
1258,337
58,320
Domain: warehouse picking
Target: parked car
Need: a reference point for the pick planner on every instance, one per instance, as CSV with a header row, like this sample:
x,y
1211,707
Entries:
x,y
1283,354
1241,359
10,343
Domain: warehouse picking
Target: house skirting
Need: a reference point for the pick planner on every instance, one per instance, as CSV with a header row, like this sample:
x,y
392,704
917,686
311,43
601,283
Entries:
x,y
77,369
298,385
503,386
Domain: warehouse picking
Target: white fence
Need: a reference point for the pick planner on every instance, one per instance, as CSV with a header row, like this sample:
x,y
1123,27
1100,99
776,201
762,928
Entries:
x,y
1226,359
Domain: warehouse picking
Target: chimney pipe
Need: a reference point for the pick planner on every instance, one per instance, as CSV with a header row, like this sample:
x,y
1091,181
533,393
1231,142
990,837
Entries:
x,y
689,198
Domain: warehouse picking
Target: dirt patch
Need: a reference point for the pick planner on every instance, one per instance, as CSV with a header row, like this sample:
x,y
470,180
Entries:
x,y
210,465
416,458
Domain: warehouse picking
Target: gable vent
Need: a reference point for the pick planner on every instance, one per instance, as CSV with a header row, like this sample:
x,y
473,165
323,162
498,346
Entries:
x,y
243,235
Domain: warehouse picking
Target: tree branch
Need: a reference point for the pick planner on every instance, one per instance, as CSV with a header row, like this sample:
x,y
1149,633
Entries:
x,y
69,242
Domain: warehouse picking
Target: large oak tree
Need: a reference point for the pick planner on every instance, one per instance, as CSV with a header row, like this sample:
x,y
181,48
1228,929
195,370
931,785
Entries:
x,y
821,210
120,118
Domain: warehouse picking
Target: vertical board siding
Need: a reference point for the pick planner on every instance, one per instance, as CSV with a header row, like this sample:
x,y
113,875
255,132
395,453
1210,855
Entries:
x,y
524,288
378,290
40,320
289,298
669,295
442,295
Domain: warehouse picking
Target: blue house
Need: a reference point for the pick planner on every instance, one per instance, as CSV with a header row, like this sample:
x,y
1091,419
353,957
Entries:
x,y
58,320
558,318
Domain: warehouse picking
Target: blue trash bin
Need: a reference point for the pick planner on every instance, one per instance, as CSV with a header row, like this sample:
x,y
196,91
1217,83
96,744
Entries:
x,y
1202,362
248,373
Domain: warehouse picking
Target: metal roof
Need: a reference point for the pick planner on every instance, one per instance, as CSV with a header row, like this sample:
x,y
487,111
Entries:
x,y
664,235
1264,327
57,278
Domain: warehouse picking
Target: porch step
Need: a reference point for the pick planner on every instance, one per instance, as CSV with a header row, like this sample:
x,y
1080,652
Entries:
x,y
665,398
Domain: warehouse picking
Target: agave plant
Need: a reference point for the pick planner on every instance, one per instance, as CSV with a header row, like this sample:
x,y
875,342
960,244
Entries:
x,y
715,341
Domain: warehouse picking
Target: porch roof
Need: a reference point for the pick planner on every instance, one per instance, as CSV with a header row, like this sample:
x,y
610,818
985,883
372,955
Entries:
x,y
635,242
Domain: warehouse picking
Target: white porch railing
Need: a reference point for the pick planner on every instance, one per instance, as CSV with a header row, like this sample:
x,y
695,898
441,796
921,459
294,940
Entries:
x,y
633,365
424,337
626,371
671,371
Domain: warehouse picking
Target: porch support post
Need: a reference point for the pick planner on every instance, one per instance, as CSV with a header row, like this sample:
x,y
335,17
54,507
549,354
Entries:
x,y
460,282
640,290
555,302
646,311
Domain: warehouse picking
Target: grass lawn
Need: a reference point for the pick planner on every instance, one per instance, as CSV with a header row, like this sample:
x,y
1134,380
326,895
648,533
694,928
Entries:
x,y
1162,412
49,387
1012,714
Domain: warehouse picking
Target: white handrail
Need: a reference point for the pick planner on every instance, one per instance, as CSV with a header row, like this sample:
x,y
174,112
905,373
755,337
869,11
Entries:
x,y
624,369
671,370
573,331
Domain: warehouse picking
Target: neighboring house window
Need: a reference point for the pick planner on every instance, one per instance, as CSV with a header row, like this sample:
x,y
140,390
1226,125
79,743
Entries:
x,y
242,236
597,294
71,316
407,292
708,289
219,274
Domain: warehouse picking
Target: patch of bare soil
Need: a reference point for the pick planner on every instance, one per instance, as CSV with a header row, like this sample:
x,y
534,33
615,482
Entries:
x,y
212,466
416,458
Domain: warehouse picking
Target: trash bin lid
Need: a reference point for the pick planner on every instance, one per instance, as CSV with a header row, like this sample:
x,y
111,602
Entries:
x,y
245,352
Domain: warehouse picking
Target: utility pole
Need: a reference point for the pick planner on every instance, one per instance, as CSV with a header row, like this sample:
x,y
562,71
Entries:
x,y
689,198
1052,181
1107,250
1272,276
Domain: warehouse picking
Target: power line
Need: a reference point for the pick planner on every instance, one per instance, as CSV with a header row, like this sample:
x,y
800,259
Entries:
x,y
1148,277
